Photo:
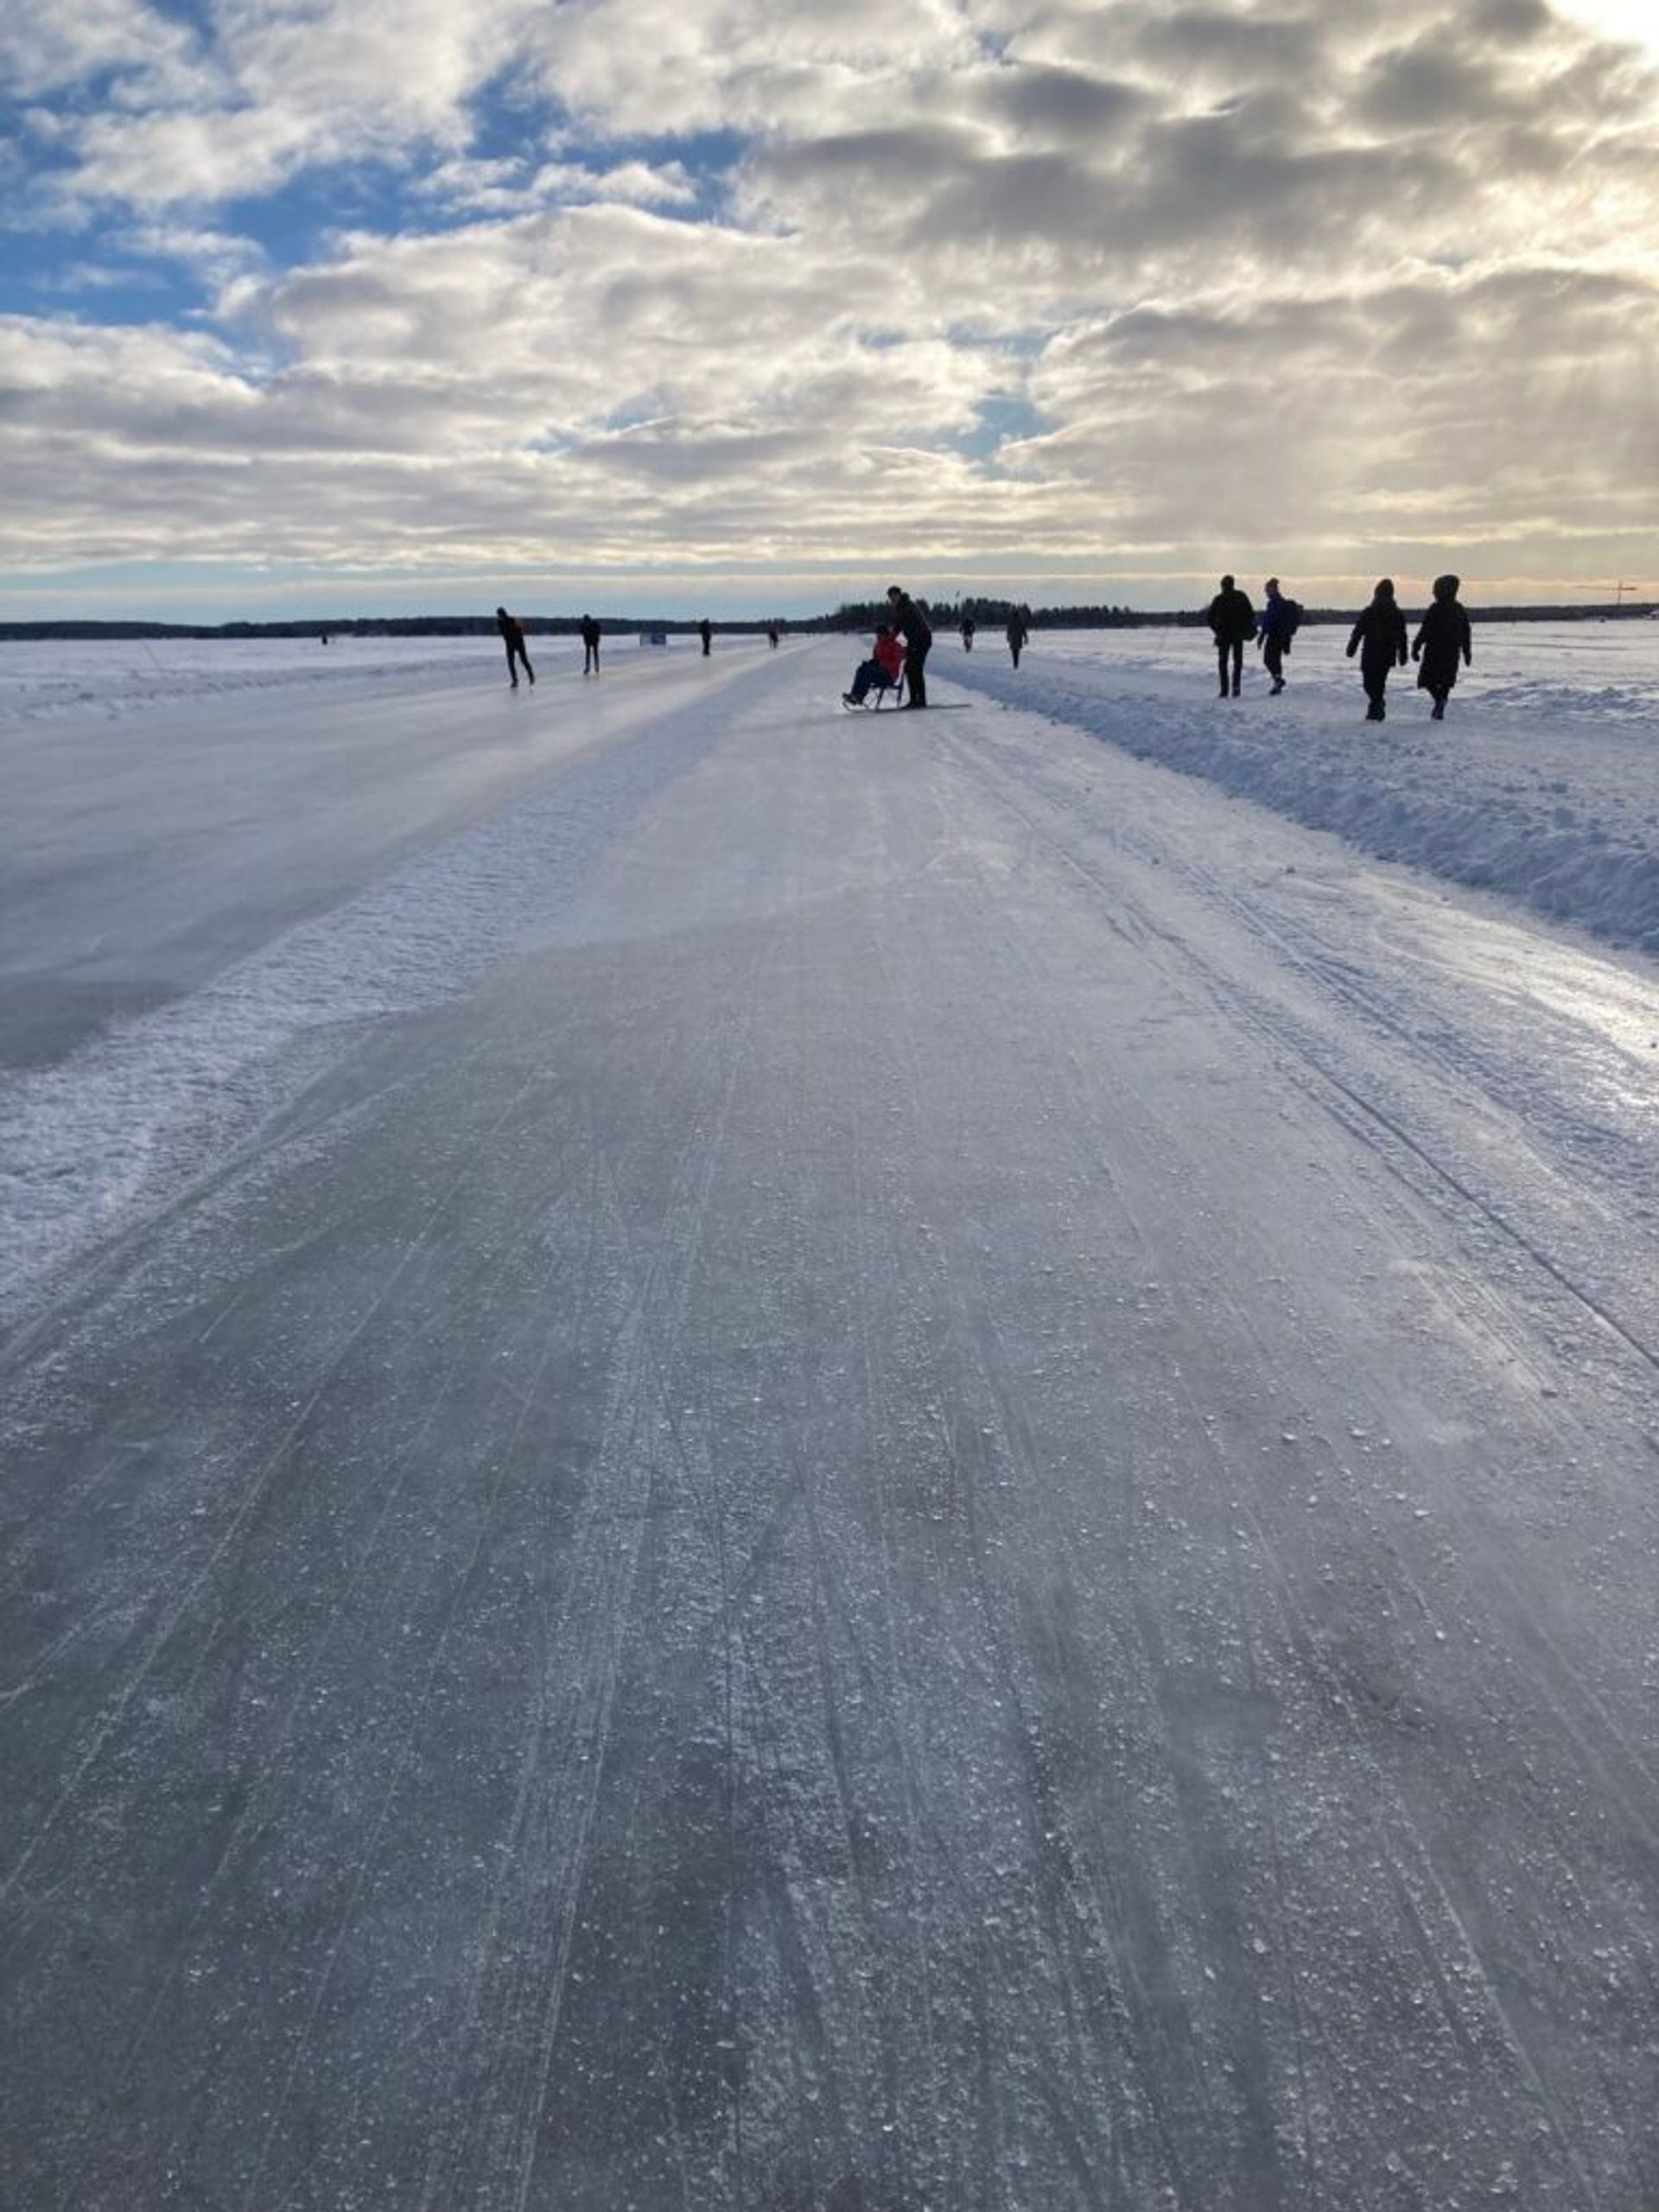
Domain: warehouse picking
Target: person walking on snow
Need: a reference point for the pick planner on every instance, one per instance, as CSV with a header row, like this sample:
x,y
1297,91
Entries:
x,y
1279,617
1232,620
1442,639
512,636
1379,638
913,627
1016,634
706,631
885,665
589,630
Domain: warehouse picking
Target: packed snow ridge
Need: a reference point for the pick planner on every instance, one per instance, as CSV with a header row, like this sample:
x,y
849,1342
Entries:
x,y
1542,783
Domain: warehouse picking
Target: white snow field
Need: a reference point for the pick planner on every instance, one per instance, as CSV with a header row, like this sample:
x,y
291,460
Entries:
x,y
762,1459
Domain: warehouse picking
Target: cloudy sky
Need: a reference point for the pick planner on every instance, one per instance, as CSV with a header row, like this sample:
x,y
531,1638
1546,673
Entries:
x,y
360,306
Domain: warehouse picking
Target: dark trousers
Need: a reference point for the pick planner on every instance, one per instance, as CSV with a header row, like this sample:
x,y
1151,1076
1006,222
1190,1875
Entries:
x,y
916,674
516,652
1272,656
1014,649
1373,675
869,672
590,660
1229,649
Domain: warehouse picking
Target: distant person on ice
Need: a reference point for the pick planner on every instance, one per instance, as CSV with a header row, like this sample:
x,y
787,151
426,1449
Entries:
x,y
1232,620
967,633
914,629
1280,617
1016,633
706,631
590,634
885,665
512,636
1379,638
1442,640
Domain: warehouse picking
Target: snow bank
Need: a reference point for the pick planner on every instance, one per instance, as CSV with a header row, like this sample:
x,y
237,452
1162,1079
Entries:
x,y
1542,783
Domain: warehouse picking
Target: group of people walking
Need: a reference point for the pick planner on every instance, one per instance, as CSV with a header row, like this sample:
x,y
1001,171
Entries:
x,y
1442,643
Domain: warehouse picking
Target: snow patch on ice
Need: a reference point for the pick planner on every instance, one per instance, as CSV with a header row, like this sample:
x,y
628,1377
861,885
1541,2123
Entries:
x,y
81,1140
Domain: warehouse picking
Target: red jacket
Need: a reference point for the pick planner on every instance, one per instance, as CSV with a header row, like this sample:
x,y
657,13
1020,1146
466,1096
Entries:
x,y
889,657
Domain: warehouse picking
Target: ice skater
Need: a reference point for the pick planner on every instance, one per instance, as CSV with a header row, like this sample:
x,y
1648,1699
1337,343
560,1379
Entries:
x,y
1232,620
968,627
917,633
512,636
1016,633
590,634
1442,640
1379,638
706,631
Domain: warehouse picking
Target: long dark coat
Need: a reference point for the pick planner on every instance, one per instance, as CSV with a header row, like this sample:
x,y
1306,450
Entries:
x,y
1379,636
1441,642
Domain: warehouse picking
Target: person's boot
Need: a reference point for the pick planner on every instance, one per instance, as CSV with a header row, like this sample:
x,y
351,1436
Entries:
x,y
1278,686
1437,712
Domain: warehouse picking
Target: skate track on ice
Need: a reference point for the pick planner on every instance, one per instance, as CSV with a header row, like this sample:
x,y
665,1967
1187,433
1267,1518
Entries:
x,y
812,1461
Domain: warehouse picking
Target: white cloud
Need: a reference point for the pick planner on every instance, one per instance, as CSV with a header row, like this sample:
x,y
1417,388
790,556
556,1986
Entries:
x,y
1261,276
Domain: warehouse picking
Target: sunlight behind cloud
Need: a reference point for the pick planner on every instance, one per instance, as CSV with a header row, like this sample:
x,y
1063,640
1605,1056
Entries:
x,y
1161,288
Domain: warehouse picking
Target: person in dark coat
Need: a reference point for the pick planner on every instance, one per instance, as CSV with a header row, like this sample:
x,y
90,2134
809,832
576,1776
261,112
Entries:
x,y
589,630
1232,620
1442,640
912,626
1016,633
1379,638
1279,617
706,631
512,636
968,627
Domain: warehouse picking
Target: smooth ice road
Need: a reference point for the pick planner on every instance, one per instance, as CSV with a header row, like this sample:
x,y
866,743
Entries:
x,y
765,1461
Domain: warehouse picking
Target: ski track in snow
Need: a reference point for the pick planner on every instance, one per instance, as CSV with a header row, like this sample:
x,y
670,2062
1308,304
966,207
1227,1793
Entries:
x,y
927,1482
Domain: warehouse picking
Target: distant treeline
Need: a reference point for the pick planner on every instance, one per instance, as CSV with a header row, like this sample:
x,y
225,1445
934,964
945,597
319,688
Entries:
x,y
377,626
993,614
858,615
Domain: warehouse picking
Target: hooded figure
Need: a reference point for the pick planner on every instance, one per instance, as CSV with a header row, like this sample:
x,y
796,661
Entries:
x,y
1232,620
1279,617
1442,640
1379,638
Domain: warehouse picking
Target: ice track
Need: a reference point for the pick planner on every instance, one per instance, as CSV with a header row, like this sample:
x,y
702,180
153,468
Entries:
x,y
943,1495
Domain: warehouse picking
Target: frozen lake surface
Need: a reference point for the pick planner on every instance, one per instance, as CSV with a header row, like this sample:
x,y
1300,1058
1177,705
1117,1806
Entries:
x,y
762,1459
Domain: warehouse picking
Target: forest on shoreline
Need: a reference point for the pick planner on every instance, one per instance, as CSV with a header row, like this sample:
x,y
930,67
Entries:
x,y
986,613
